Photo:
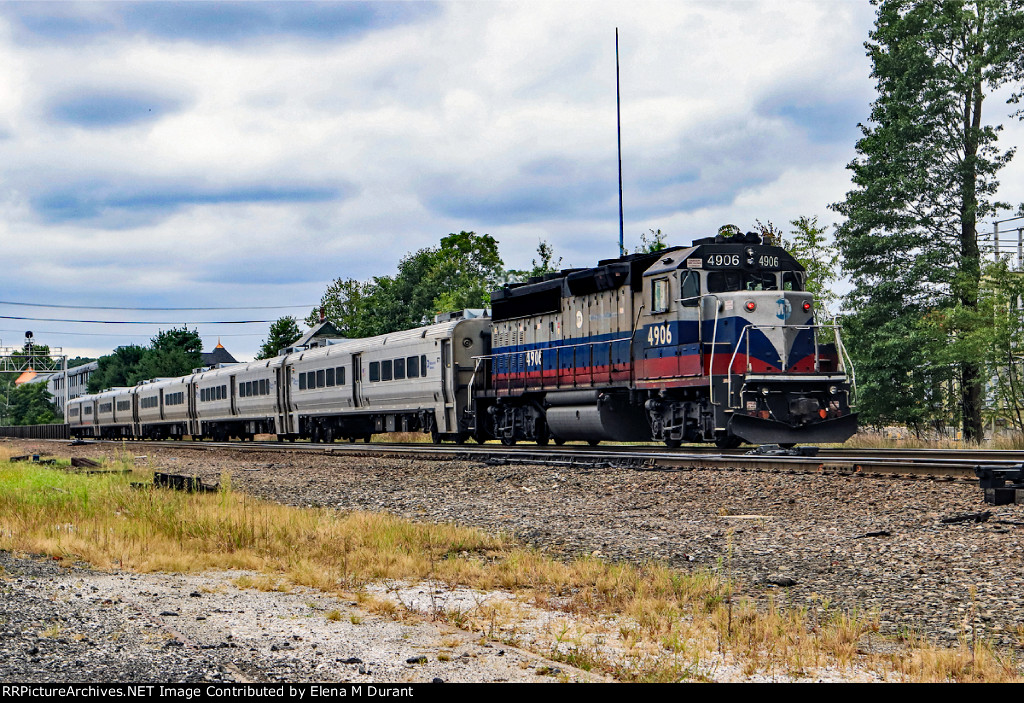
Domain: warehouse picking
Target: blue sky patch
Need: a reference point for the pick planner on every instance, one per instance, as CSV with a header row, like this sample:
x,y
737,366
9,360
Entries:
x,y
210,22
123,207
101,109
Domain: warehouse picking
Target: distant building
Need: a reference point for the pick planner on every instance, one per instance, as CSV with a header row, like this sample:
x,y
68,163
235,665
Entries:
x,y
219,355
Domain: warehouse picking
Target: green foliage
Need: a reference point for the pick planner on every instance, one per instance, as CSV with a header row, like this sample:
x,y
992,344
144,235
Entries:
x,y
924,175
543,264
172,353
283,333
808,245
30,404
1000,342
460,273
651,241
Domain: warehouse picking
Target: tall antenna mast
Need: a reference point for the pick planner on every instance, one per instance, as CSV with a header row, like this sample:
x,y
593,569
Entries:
x,y
618,129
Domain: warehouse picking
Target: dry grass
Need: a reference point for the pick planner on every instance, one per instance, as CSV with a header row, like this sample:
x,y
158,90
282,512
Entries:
x,y
905,440
646,623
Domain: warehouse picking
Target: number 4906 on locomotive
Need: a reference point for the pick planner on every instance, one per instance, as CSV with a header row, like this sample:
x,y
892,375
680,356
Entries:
x,y
717,341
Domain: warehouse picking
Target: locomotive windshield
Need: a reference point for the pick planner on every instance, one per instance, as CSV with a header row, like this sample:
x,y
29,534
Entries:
x,y
737,280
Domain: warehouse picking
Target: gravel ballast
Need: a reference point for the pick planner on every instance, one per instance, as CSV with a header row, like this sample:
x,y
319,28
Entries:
x,y
853,543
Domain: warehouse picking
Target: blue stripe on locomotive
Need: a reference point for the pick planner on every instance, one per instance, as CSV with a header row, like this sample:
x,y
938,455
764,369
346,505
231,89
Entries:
x,y
600,350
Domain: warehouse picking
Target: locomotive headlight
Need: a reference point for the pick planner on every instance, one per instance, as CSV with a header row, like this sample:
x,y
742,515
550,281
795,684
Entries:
x,y
750,256
764,390
807,307
751,306
832,390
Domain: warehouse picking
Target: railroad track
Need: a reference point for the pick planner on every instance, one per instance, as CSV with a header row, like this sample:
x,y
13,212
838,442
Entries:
x,y
922,463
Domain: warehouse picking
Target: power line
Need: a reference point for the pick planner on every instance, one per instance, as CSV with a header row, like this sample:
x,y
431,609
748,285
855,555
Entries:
x,y
140,322
102,307
139,335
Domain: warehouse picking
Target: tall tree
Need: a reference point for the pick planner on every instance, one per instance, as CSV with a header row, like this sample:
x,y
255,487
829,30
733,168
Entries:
x,y
924,175
282,334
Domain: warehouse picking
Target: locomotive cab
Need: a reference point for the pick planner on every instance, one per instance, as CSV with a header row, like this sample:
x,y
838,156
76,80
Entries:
x,y
730,349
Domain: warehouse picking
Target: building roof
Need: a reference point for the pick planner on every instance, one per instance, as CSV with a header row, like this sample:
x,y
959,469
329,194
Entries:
x,y
316,336
219,355
25,377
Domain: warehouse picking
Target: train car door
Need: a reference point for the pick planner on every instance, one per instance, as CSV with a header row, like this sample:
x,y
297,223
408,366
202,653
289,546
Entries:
x,y
190,394
136,428
284,416
447,392
357,380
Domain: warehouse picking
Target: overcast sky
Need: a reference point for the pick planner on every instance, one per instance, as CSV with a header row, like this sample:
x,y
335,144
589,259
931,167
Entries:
x,y
203,155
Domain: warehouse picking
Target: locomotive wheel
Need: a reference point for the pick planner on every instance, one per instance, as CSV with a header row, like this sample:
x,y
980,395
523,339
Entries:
x,y
559,441
366,438
593,442
787,445
729,441
461,438
673,443
542,441
508,441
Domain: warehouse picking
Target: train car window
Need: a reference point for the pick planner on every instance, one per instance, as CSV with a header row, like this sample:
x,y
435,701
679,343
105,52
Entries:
x,y
399,369
792,280
264,386
330,377
386,370
74,412
691,288
423,364
302,381
88,410
320,381
412,366
659,295
223,392
374,371
340,375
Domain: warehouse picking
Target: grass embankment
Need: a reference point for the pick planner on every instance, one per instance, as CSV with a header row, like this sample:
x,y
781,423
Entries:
x,y
645,623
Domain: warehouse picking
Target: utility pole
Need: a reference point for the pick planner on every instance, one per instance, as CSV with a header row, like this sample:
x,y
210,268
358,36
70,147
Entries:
x,y
618,129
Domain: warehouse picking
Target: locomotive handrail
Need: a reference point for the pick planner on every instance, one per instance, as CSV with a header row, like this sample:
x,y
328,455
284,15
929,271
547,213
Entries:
x,y
540,351
746,334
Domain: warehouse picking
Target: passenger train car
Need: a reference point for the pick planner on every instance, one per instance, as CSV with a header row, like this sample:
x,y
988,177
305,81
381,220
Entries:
x,y
717,341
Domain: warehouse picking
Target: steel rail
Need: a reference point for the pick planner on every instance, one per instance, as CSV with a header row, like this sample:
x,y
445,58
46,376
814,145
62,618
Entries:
x,y
943,464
